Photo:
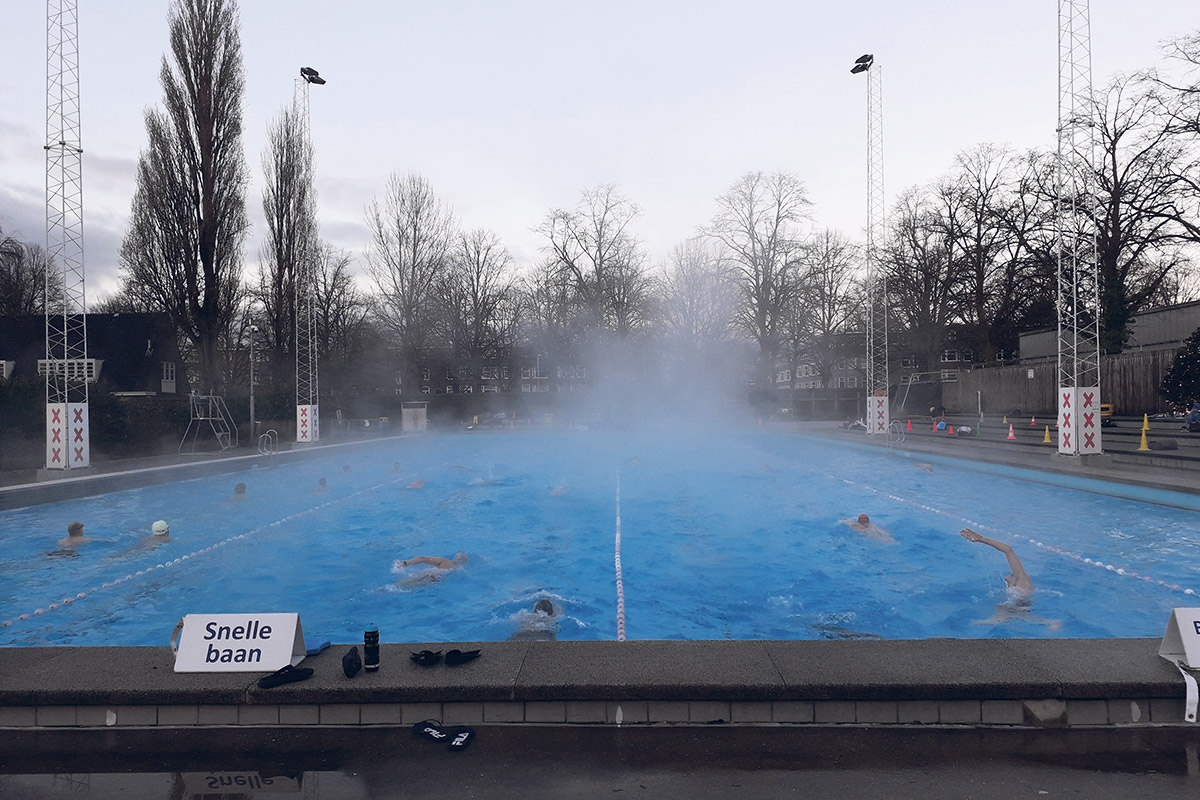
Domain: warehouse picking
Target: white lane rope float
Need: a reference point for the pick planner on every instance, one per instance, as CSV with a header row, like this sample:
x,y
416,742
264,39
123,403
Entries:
x,y
1035,542
617,562
66,601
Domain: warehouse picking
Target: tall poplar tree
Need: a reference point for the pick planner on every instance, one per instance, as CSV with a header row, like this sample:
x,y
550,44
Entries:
x,y
183,250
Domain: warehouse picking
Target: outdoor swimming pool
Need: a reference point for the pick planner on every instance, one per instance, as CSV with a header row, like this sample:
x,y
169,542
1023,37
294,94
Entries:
x,y
723,535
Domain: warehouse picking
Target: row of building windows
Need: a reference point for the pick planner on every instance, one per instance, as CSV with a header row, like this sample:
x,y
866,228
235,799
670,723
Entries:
x,y
500,373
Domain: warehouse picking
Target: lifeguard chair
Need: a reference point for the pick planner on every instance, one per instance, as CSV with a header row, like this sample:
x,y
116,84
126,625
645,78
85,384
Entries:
x,y
209,413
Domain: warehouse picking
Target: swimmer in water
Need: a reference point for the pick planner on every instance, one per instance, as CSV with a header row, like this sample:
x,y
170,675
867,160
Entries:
x,y
869,529
74,538
541,625
416,484
322,486
239,492
1018,585
440,567
160,532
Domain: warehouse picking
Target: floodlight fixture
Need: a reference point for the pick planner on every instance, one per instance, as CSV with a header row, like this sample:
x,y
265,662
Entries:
x,y
862,63
312,76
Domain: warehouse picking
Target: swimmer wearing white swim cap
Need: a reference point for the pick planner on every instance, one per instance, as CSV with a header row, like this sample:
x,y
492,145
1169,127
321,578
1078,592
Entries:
x,y
161,528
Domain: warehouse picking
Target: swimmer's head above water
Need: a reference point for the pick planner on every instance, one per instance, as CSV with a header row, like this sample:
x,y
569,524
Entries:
x,y
864,520
544,606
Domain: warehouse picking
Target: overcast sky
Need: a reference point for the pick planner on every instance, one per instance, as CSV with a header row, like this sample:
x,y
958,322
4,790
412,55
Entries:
x,y
511,109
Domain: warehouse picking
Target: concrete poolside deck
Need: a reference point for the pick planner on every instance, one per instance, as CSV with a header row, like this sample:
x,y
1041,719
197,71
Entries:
x,y
673,720
1035,684
710,719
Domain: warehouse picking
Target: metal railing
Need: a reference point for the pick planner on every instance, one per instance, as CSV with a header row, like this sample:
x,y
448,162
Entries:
x,y
268,443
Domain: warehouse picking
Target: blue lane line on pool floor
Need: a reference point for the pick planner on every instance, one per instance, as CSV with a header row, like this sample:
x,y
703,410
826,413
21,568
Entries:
x,y
66,601
1048,547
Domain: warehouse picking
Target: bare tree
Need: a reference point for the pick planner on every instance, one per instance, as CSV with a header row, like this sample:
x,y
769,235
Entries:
x,y
289,206
829,302
923,281
480,308
341,325
183,250
545,311
698,297
596,253
24,275
411,236
758,223
1143,231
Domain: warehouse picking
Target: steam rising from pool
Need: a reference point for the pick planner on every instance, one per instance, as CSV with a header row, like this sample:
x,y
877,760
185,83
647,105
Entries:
x,y
726,532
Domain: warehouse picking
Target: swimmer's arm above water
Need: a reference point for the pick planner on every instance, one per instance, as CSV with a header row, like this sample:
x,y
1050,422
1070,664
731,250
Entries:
x,y
1021,578
433,561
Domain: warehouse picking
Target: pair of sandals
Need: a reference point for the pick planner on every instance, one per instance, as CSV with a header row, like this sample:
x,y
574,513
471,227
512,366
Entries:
x,y
456,738
428,658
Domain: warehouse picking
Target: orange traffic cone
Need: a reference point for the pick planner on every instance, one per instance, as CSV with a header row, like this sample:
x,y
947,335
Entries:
x,y
910,425
949,430
1011,435
1046,438
1033,422
934,428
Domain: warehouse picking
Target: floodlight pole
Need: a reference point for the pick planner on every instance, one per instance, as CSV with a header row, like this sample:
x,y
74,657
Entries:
x,y
308,421
878,413
67,367
1079,311
253,331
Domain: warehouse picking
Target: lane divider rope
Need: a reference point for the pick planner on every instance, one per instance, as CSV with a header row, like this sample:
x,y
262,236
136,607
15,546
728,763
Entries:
x,y
66,601
617,560
1035,542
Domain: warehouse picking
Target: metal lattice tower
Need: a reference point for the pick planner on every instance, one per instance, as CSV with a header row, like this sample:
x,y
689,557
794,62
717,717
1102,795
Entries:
x,y
877,303
67,366
1075,211
307,419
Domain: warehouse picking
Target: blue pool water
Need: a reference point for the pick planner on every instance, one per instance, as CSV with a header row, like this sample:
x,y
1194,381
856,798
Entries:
x,y
724,535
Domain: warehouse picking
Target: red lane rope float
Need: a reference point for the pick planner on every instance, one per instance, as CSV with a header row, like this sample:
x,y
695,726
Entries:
x,y
66,601
617,561
1035,542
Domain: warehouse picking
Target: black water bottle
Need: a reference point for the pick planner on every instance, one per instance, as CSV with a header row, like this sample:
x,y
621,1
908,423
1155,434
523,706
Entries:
x,y
371,649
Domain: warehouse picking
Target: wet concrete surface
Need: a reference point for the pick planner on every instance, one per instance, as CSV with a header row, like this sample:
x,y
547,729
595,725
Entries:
x,y
696,763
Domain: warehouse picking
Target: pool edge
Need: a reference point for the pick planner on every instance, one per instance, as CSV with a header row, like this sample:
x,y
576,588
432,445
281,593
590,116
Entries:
x,y
1023,683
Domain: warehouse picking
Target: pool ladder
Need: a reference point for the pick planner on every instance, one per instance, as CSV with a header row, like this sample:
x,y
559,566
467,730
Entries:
x,y
268,443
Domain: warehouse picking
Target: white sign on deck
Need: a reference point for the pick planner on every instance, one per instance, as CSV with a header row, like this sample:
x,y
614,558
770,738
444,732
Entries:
x,y
1181,646
239,642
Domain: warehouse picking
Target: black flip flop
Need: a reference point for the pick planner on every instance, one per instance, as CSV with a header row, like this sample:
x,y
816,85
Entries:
x,y
460,737
430,729
427,658
351,662
456,657
286,674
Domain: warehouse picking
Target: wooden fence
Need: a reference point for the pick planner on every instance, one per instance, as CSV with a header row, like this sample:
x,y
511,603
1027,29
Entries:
x,y
1129,381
